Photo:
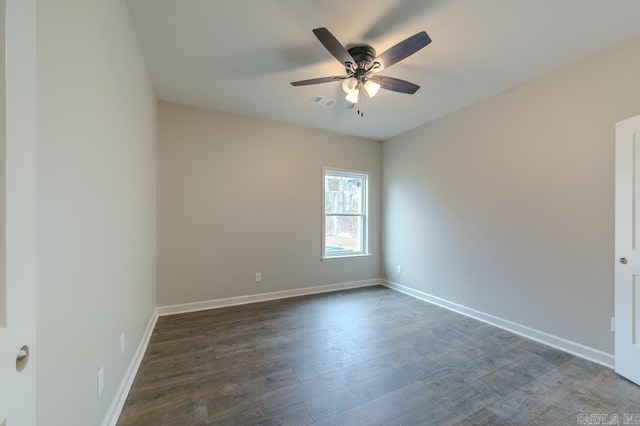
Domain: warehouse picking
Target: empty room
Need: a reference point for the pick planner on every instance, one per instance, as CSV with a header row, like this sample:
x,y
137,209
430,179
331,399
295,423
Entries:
x,y
295,212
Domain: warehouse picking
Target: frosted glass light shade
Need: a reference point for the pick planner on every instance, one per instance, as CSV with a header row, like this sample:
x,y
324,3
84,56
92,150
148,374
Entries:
x,y
352,96
349,85
371,87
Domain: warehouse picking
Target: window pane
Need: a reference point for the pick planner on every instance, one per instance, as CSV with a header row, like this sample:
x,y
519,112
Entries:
x,y
343,233
342,194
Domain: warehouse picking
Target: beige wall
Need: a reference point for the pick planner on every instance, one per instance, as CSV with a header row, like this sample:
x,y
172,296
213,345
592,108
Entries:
x,y
3,169
96,204
238,196
507,206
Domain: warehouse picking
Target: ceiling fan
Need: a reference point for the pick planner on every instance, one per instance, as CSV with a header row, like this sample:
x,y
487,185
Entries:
x,y
362,65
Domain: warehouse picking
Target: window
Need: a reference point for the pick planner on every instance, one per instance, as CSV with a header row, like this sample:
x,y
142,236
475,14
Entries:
x,y
345,229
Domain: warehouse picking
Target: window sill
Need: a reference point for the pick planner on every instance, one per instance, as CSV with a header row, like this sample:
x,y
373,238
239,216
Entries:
x,y
345,257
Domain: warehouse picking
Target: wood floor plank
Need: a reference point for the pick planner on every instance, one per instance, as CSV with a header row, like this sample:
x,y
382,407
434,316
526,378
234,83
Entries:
x,y
368,356
386,407
330,403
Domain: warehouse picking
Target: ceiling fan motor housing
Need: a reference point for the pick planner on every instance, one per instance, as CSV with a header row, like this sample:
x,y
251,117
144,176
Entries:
x,y
363,54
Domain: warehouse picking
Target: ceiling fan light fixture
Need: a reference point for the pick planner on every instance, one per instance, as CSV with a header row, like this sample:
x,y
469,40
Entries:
x,y
349,85
352,96
361,65
371,87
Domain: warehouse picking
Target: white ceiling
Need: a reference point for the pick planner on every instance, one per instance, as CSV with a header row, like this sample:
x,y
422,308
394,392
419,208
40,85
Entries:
x,y
239,56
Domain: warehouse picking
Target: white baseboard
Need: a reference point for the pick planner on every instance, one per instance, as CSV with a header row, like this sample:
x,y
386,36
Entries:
x,y
113,413
577,349
262,297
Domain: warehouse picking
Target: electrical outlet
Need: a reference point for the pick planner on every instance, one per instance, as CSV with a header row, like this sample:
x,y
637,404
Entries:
x,y
613,324
100,381
399,269
122,344
258,276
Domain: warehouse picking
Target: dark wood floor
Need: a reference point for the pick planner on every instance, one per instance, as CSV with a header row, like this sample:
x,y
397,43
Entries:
x,y
370,356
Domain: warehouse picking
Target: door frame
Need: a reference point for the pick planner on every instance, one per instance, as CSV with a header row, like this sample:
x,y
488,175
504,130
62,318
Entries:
x,y
18,389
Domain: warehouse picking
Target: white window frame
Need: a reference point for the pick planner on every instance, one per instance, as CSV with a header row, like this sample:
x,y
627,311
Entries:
x,y
347,254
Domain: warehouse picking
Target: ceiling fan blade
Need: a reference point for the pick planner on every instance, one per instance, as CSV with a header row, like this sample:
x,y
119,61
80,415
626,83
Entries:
x,y
316,81
333,46
403,49
397,85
